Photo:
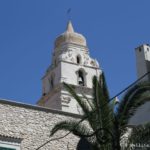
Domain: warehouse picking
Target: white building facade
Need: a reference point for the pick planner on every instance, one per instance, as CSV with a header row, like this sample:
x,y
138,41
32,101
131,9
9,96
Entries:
x,y
72,64
143,61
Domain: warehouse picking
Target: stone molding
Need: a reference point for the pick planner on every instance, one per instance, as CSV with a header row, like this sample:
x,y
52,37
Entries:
x,y
39,108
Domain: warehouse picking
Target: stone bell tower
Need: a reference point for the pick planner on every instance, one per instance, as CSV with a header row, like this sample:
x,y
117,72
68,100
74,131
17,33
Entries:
x,y
71,64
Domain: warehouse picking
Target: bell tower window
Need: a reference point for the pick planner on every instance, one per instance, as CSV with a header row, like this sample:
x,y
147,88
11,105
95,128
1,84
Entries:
x,y
81,78
51,81
78,59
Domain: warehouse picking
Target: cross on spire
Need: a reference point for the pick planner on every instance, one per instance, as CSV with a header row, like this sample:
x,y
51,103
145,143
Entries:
x,y
69,13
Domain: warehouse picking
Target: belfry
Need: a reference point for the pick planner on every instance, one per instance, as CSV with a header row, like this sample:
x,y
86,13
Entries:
x,y
72,64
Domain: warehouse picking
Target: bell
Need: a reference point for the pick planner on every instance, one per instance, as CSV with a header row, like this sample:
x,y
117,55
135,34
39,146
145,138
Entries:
x,y
80,79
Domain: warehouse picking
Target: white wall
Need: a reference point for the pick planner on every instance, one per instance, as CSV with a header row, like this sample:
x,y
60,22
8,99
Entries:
x,y
142,55
69,73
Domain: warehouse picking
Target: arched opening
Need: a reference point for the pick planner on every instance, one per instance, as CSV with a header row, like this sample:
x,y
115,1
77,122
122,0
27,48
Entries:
x,y
78,59
44,94
81,80
51,81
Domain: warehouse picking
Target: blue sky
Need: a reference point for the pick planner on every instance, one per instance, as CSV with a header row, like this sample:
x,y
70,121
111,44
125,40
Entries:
x,y
28,29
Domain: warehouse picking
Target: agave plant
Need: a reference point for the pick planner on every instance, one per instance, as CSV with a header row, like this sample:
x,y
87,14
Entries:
x,y
104,128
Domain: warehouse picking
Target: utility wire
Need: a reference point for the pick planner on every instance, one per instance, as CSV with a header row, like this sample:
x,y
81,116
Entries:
x,y
94,111
54,139
130,85
61,136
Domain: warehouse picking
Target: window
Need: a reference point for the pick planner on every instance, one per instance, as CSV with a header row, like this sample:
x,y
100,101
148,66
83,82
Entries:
x,y
78,59
44,94
9,143
3,148
55,62
51,81
140,49
81,78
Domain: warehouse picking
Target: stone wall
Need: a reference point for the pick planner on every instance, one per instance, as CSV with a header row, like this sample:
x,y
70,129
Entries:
x,y
32,124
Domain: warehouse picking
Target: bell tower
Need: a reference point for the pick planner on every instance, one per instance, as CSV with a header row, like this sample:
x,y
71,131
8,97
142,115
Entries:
x,y
71,64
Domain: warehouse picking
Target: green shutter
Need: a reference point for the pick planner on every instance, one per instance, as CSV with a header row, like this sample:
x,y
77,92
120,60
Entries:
x,y
3,148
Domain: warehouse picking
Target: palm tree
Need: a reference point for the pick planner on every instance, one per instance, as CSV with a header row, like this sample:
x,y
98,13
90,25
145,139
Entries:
x,y
104,128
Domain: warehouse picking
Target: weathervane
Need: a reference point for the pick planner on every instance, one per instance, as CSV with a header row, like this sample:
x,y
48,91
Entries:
x,y
69,13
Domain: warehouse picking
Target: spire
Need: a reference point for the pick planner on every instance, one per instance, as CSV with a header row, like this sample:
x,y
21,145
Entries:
x,y
69,27
70,36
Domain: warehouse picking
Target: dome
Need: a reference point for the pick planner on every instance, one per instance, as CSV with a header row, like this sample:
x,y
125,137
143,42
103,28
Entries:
x,y
69,36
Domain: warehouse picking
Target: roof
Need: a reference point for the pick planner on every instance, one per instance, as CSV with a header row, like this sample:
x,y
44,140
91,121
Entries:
x,y
39,108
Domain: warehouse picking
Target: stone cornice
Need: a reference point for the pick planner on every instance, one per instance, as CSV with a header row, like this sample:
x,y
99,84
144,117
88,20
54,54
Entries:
x,y
68,62
38,108
71,45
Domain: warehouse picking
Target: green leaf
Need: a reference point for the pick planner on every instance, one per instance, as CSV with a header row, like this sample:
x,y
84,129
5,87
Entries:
x,y
74,127
140,134
81,102
135,97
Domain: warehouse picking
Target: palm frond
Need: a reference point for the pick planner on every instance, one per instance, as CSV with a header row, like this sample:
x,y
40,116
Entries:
x,y
88,101
87,112
143,132
128,95
81,102
72,126
104,87
131,111
140,134
100,100
136,97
